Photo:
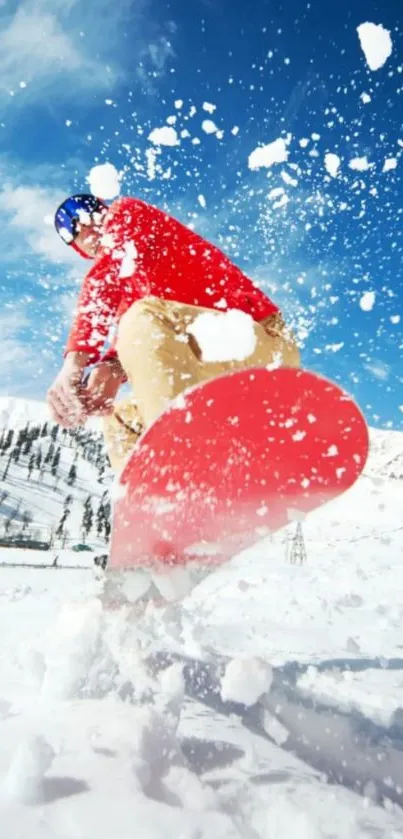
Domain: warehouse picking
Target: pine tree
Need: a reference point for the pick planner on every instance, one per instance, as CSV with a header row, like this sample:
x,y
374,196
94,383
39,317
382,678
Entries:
x,y
7,469
26,520
8,440
72,476
88,518
18,447
60,531
27,445
68,502
55,463
50,453
31,465
100,519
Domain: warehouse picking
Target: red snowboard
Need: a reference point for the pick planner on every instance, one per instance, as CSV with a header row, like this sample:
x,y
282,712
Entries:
x,y
232,460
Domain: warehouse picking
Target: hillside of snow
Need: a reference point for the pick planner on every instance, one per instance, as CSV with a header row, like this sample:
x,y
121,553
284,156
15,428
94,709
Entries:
x,y
386,454
49,478
113,724
37,496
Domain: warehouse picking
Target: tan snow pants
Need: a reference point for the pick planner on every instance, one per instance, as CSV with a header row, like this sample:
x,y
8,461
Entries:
x,y
161,359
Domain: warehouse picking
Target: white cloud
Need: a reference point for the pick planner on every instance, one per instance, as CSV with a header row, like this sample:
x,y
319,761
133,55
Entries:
x,y
68,50
28,212
35,48
14,353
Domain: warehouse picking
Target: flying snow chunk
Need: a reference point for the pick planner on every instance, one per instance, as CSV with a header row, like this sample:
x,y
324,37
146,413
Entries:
x,y
104,181
165,136
128,264
376,44
226,336
245,680
209,127
365,98
266,156
276,192
389,164
286,177
202,201
367,301
360,164
332,164
207,106
282,202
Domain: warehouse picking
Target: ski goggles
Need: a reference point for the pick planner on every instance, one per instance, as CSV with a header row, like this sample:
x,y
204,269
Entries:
x,y
76,210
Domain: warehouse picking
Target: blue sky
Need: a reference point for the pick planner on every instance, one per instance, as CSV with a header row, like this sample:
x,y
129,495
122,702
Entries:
x,y
85,81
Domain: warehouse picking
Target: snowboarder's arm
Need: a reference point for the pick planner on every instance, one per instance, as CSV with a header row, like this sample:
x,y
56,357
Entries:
x,y
96,307
108,280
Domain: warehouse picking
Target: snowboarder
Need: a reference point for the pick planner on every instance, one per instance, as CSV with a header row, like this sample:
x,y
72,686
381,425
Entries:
x,y
151,277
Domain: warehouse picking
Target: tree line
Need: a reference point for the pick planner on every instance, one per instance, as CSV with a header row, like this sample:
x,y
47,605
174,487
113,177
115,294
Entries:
x,y
38,450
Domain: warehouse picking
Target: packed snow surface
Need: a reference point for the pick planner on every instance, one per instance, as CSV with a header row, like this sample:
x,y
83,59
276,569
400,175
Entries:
x,y
95,744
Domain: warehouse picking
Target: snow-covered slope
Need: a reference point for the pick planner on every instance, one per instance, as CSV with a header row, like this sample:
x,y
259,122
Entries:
x,y
41,496
46,474
386,453
93,744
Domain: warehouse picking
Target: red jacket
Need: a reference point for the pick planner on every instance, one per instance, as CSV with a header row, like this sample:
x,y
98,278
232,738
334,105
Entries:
x,y
145,252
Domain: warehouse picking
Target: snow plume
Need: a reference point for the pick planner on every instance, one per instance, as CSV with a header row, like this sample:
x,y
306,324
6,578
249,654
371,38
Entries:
x,y
266,156
376,44
104,181
227,336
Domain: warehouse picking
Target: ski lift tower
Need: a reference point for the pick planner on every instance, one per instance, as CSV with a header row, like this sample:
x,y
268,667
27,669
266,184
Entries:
x,y
298,554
